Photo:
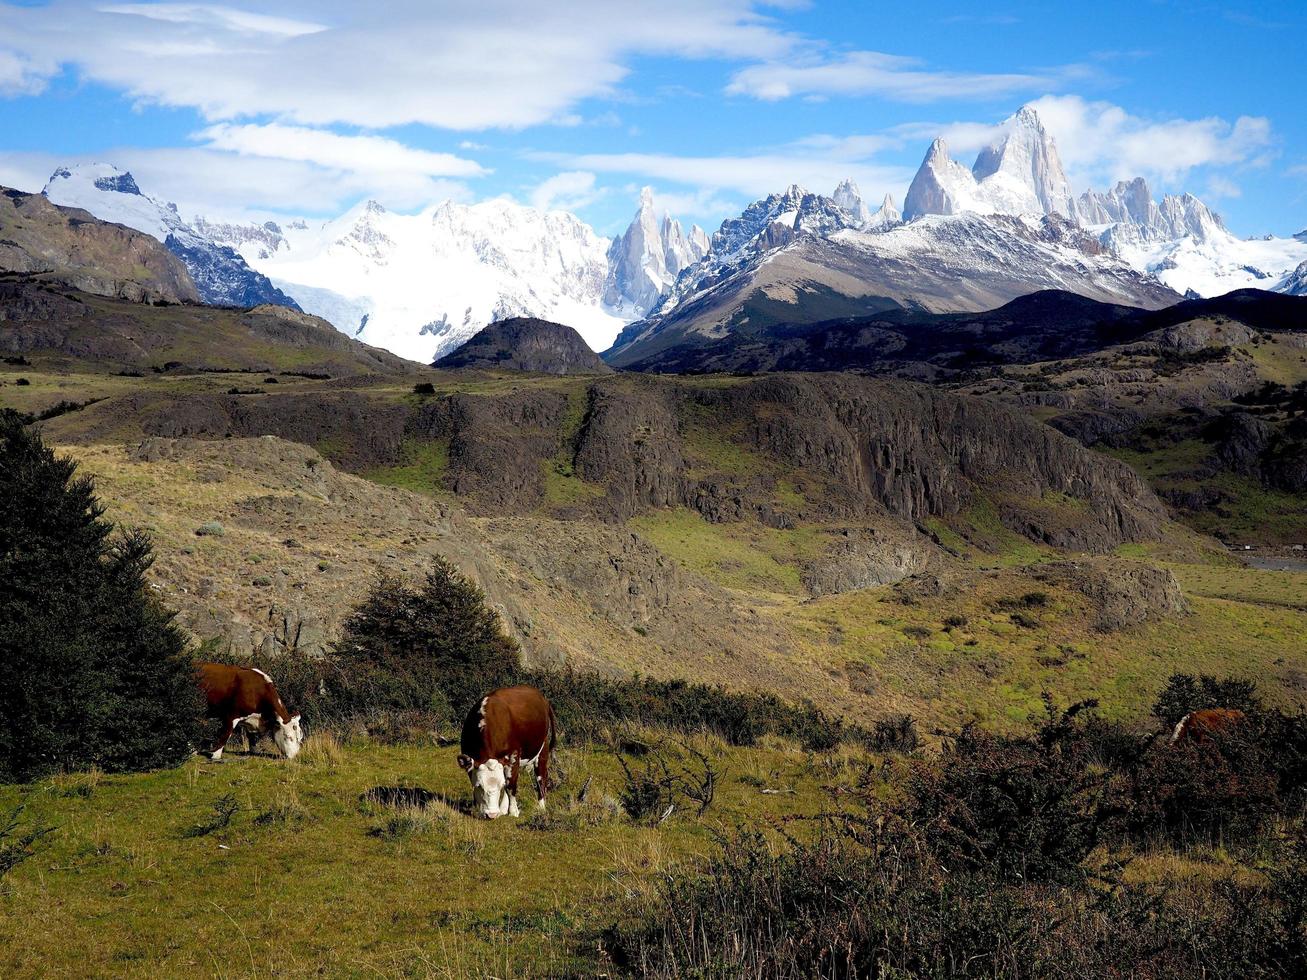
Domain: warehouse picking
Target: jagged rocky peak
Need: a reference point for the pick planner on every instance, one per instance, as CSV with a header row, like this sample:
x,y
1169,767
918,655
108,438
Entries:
x,y
850,199
645,260
1020,172
1021,162
941,185
888,214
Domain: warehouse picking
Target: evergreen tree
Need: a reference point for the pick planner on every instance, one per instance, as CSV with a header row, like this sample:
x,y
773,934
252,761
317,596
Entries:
x,y
92,669
437,648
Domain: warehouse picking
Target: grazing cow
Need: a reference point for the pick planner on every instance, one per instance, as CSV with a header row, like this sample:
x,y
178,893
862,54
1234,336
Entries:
x,y
245,697
511,727
1200,726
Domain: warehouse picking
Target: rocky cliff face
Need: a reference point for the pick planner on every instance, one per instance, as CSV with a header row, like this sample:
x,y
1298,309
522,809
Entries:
x,y
527,344
864,448
88,254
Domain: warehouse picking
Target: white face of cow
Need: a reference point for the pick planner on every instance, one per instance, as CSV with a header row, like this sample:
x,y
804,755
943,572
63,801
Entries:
x,y
288,736
490,789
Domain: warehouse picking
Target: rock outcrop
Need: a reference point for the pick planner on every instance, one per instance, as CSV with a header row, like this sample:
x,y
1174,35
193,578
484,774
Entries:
x,y
526,344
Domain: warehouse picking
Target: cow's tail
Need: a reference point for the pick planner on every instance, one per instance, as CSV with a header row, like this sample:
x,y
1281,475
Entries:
x,y
553,728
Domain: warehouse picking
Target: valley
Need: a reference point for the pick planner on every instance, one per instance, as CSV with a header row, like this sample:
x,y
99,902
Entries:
x,y
884,553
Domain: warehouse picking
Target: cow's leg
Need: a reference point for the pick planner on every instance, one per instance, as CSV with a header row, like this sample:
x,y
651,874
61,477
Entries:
x,y
542,775
227,727
514,769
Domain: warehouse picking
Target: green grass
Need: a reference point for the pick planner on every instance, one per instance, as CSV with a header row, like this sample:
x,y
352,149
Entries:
x,y
994,671
424,467
563,487
311,877
978,534
712,451
743,556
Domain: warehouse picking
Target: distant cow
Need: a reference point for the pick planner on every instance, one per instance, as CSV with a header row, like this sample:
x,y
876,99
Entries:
x,y
511,727
245,697
1199,726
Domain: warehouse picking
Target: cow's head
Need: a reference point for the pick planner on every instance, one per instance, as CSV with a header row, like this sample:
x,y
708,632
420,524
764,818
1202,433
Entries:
x,y
288,736
489,786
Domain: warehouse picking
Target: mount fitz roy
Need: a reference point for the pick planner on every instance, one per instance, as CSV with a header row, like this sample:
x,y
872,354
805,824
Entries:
x,y
966,239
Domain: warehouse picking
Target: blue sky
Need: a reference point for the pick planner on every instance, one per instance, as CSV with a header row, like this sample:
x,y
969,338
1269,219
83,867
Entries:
x,y
240,110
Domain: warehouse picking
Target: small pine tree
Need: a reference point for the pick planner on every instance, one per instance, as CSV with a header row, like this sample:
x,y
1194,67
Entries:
x,y
434,649
94,670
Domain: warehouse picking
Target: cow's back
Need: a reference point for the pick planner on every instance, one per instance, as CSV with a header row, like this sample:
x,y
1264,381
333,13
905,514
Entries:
x,y
508,719
234,690
1201,725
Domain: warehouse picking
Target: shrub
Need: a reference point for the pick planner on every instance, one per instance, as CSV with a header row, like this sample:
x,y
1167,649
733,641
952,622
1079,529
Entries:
x,y
424,388
1209,788
435,649
97,673
210,529
1018,807
873,894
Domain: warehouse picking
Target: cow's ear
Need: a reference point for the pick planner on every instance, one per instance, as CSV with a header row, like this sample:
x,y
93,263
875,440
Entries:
x,y
465,762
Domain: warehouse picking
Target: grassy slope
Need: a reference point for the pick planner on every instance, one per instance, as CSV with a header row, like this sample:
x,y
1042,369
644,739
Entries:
x,y
309,878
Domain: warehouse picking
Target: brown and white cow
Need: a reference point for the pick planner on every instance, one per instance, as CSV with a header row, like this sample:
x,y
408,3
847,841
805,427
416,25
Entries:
x,y
1200,726
245,697
510,728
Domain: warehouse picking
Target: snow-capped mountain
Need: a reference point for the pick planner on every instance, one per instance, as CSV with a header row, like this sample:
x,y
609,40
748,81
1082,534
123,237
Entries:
x,y
1296,283
802,260
1020,173
644,262
1180,239
221,275
420,285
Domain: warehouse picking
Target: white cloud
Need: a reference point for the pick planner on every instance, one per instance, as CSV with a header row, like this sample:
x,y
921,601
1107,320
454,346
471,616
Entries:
x,y
21,74
1222,187
753,175
362,154
445,63
1100,142
221,184
568,191
214,16
865,73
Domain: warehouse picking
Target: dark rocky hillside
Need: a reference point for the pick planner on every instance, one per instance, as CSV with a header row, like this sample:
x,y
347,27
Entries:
x,y
71,246
781,450
1037,327
42,318
526,344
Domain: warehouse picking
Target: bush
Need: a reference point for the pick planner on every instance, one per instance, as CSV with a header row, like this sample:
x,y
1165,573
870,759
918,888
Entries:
x,y
1026,808
1224,787
884,891
412,660
96,672
436,649
424,388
